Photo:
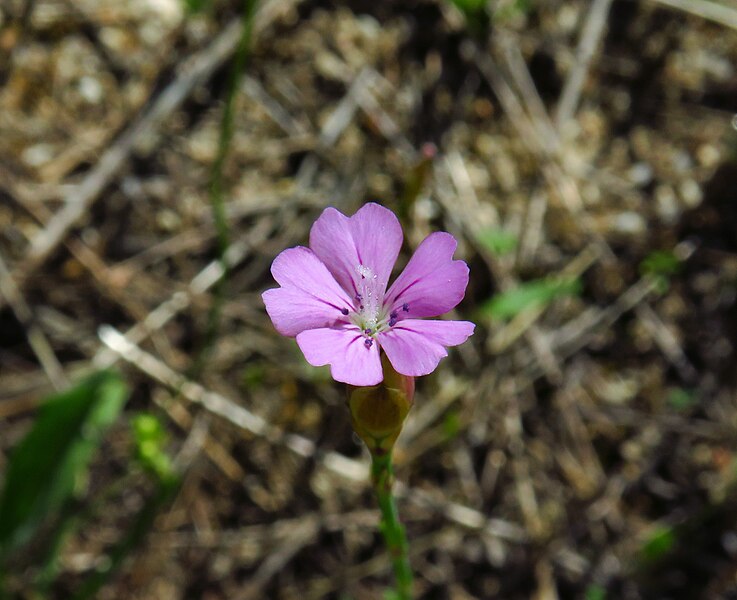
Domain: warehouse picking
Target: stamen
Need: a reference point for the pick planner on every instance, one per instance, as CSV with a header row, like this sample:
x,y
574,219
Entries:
x,y
368,342
393,318
369,296
367,331
405,307
344,311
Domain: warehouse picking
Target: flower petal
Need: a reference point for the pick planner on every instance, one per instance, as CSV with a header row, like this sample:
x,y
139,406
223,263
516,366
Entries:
x,y
309,297
345,351
415,347
370,238
432,282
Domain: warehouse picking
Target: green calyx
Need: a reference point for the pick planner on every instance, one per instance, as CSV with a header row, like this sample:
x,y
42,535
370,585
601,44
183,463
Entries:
x,y
378,412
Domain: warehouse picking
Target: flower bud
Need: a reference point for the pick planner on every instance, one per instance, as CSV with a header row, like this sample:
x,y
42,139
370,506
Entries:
x,y
378,412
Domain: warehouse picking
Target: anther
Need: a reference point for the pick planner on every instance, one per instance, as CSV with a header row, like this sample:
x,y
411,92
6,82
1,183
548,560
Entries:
x,y
344,311
405,307
367,331
368,342
393,318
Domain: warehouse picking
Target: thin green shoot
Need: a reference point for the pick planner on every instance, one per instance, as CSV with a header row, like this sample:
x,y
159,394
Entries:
x,y
531,294
497,241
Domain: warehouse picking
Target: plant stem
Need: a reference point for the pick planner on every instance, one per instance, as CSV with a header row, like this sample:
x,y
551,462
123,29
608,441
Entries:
x,y
216,186
395,537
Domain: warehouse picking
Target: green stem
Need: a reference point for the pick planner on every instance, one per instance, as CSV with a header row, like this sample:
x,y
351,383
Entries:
x,y
395,537
216,186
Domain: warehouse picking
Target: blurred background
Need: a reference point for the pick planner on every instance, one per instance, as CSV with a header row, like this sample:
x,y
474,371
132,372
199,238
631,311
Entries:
x,y
158,439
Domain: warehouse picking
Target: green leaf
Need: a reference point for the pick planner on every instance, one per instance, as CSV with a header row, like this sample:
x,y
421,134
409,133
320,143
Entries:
x,y
539,292
470,6
511,9
253,375
151,438
50,463
498,241
595,592
661,263
681,399
659,542
195,6
451,425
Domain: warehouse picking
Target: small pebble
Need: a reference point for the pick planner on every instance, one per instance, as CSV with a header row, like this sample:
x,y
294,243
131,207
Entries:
x,y
690,193
629,222
640,174
666,204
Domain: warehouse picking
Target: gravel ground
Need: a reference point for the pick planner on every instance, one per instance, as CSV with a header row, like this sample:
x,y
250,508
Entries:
x,y
577,447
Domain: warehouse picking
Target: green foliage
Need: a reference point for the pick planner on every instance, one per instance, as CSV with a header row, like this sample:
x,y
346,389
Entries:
x,y
253,375
498,241
660,262
451,425
476,13
469,6
681,399
538,292
661,265
392,530
595,592
150,438
217,186
195,6
47,470
659,542
49,465
511,9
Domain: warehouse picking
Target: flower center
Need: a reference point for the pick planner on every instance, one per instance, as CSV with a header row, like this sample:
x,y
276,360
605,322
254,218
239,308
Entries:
x,y
369,300
368,312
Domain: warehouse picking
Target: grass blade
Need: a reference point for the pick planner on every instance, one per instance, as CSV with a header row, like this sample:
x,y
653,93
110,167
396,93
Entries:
x,y
50,463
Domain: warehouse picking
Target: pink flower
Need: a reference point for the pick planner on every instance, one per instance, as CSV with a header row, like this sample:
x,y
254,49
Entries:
x,y
333,297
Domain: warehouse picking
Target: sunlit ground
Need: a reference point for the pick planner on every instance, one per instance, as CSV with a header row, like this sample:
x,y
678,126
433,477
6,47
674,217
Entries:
x,y
159,439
